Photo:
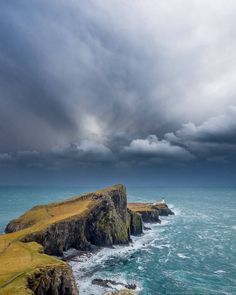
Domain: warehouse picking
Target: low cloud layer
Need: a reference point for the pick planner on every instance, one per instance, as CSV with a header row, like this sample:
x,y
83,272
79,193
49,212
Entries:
x,y
213,140
153,148
214,137
117,83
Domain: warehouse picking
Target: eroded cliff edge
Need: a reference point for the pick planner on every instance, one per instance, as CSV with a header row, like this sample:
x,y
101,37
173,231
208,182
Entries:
x,y
93,220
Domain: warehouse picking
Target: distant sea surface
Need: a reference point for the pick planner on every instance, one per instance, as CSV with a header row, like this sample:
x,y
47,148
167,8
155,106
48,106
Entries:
x,y
193,252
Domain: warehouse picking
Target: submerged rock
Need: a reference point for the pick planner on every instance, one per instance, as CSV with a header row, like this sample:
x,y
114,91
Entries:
x,y
111,283
122,292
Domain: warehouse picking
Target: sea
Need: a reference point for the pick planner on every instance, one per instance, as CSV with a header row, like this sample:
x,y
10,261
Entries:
x,y
191,252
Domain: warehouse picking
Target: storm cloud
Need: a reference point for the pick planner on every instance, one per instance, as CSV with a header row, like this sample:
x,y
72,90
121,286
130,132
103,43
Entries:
x,y
117,83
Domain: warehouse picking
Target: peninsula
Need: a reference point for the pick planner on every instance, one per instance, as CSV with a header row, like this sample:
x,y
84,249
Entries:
x,y
99,219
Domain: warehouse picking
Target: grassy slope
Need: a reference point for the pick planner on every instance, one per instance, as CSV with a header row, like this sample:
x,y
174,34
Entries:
x,y
139,207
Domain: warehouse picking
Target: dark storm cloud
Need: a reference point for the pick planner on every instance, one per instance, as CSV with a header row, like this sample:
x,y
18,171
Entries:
x,y
153,149
220,129
114,82
32,110
85,151
213,139
58,62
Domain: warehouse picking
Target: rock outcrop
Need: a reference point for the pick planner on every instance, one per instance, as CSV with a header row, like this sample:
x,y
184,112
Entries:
x,y
112,283
135,223
52,280
150,212
163,209
122,292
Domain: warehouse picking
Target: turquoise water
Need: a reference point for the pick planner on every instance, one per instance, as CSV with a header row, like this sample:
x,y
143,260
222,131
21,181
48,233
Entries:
x,y
193,252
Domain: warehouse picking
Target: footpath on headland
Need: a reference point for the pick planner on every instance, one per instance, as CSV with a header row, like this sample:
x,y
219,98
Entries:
x,y
99,219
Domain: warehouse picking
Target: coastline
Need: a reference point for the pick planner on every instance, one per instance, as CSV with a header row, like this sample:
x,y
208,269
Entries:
x,y
105,209
193,245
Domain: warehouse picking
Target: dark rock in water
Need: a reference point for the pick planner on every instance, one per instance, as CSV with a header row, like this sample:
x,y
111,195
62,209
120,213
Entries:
x,y
121,292
163,209
147,228
109,283
151,216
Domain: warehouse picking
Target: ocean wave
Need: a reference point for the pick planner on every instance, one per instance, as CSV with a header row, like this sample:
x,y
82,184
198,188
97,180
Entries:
x,y
181,255
220,271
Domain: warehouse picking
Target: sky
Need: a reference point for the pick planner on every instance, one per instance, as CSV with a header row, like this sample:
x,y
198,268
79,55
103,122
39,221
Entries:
x,y
98,92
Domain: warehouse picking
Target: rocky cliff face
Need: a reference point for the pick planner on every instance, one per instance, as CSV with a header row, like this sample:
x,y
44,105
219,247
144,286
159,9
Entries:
x,y
122,292
135,223
150,216
163,209
52,280
150,212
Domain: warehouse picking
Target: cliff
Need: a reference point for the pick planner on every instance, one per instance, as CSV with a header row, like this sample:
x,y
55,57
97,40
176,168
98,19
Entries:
x,y
163,209
135,223
150,212
96,219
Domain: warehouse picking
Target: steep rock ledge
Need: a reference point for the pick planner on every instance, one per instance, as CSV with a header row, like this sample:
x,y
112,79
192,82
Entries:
x,y
163,209
135,223
150,212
